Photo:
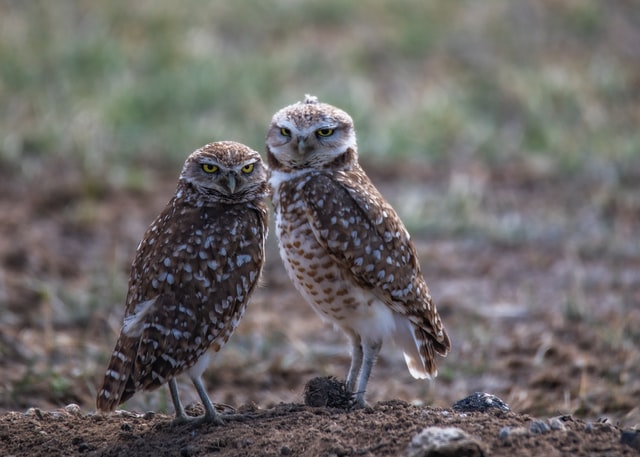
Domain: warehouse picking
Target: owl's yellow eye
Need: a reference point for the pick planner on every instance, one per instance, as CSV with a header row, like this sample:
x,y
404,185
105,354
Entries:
x,y
285,131
209,168
324,132
248,168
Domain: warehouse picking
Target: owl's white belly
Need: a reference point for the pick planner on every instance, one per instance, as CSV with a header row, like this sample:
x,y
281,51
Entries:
x,y
329,290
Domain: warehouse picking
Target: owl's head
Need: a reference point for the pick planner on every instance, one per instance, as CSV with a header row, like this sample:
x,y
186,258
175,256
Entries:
x,y
225,172
310,134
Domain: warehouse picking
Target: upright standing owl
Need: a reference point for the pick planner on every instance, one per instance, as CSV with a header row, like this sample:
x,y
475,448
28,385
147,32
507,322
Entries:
x,y
344,247
193,273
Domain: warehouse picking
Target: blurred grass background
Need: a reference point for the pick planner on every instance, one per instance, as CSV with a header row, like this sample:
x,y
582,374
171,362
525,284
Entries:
x,y
490,125
112,88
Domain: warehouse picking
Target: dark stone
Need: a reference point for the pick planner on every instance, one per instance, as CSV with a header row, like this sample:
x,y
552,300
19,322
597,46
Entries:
x,y
631,438
480,402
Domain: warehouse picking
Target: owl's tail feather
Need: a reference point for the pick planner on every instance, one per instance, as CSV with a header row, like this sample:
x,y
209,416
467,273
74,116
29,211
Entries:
x,y
419,349
117,386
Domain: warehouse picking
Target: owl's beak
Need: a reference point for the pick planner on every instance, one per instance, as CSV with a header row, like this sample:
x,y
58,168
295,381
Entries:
x,y
302,145
232,183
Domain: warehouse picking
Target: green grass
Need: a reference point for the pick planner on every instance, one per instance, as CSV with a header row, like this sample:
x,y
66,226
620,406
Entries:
x,y
110,88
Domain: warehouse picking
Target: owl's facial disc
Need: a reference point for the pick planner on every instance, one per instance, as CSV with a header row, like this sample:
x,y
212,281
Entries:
x,y
310,135
305,146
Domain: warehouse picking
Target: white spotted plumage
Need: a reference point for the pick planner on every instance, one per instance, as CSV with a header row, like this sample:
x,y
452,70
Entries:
x,y
344,247
193,273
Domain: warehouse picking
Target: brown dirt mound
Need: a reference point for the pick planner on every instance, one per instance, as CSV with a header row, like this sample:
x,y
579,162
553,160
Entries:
x,y
293,429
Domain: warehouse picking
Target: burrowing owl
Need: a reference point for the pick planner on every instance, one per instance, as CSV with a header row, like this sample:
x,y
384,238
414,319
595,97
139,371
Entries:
x,y
344,247
192,276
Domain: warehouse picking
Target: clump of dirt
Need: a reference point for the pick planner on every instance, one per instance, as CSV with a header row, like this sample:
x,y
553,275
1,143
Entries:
x,y
386,429
328,391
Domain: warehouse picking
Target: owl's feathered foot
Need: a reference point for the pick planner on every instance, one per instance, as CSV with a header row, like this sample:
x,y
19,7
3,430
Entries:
x,y
182,419
359,402
210,416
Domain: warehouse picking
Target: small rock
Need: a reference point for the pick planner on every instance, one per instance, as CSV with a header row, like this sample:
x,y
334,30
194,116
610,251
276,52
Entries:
x,y
556,424
285,450
480,402
443,442
73,409
149,415
34,412
539,427
631,438
510,432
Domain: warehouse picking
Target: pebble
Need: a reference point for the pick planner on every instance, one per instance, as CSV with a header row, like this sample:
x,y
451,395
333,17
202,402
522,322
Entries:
x,y
480,402
538,427
631,438
443,442
34,412
504,433
73,409
556,424
509,432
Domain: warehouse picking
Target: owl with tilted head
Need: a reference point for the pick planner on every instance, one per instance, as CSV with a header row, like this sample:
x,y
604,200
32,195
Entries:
x,y
344,247
193,273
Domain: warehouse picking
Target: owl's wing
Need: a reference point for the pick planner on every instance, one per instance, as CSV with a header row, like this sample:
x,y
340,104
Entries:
x,y
365,236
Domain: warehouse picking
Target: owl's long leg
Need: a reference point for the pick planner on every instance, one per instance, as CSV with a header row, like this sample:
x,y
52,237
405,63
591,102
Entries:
x,y
210,414
356,361
370,353
177,404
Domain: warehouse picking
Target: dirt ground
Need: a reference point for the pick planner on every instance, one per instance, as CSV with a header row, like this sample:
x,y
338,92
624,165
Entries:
x,y
385,429
536,275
